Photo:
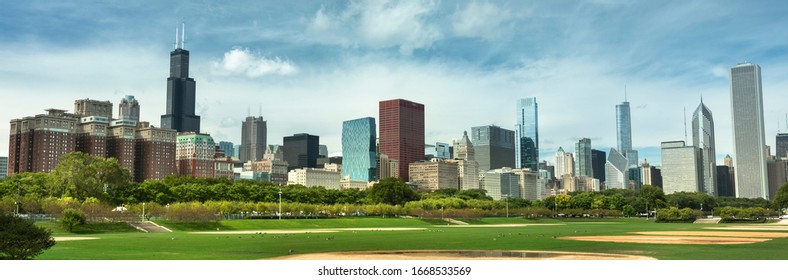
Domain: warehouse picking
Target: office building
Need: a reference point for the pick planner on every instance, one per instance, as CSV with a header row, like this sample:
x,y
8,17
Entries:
x,y
358,150
680,169
560,162
228,148
703,139
463,149
616,171
583,161
129,109
313,177
154,150
3,167
275,168
402,133
322,151
439,151
253,139
493,147
624,133
386,167
598,160
181,95
650,175
194,155
433,175
777,169
274,152
301,150
468,173
749,141
782,145
527,181
500,183
527,134
725,179
88,107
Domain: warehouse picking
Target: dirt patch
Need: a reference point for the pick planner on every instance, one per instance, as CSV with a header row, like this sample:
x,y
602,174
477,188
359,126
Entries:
x,y
769,228
667,239
462,255
500,225
716,233
328,230
73,238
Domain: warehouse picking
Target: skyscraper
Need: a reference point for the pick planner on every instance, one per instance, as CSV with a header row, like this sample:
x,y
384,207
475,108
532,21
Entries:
x,y
703,138
494,147
3,167
583,158
194,155
253,139
527,134
358,149
624,134
680,168
616,171
748,134
180,92
598,159
463,149
300,150
560,163
129,109
228,148
402,133
782,145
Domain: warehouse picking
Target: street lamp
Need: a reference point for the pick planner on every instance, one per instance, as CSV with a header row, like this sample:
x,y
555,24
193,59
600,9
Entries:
x,y
507,206
18,194
280,203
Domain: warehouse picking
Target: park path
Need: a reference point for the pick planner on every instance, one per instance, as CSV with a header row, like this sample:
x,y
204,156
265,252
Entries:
x,y
456,222
707,221
149,226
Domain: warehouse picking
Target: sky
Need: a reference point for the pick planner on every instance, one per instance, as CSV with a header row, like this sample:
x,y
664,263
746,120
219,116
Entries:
x,y
307,66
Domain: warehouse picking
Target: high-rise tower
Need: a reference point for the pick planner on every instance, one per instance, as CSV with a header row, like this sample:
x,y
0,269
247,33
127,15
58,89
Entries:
x,y
358,149
253,139
527,134
624,133
583,167
180,91
129,109
402,132
703,138
749,144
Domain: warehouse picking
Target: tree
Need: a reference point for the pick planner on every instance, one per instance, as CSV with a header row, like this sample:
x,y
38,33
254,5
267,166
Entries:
x,y
781,198
652,196
71,218
392,191
81,175
20,239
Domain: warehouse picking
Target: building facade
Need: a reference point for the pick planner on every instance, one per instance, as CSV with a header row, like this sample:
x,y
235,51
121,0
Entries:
x,y
527,134
434,175
88,107
3,167
493,147
312,177
703,138
155,152
129,109
402,133
583,163
194,155
121,143
598,160
301,150
37,143
528,182
358,150
253,139
749,142
616,176
782,145
181,94
681,170
500,183
228,148
275,168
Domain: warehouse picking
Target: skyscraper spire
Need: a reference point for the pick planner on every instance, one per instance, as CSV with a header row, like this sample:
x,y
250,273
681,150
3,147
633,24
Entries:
x,y
183,36
625,92
176,37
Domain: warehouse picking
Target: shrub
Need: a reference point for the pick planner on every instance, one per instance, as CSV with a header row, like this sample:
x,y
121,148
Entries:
x,y
71,218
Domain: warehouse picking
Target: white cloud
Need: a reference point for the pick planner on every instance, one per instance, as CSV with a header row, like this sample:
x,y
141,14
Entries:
x,y
483,20
378,24
243,62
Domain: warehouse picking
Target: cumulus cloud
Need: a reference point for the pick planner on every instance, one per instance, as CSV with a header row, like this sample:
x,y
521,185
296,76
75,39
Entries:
x,y
244,62
483,20
378,24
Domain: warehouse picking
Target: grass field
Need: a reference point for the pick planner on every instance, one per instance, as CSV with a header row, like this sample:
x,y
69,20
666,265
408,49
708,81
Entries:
x,y
436,235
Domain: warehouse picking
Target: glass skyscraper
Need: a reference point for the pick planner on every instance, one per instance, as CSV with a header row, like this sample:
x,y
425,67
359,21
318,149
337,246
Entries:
x,y
358,149
703,138
527,134
624,134
493,146
749,143
583,158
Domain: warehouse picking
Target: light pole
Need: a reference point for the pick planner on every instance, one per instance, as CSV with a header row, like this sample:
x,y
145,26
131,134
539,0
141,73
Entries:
x,y
280,203
143,211
507,206
18,194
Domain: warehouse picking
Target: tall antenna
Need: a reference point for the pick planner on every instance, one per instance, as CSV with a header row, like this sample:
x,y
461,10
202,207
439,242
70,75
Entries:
x,y
261,109
176,36
248,110
685,124
625,92
183,36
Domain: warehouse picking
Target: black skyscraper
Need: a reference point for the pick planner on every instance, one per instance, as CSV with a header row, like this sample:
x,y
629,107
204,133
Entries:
x,y
180,93
598,159
300,150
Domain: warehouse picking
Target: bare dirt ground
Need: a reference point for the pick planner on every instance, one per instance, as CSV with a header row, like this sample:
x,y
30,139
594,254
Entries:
x,y
72,238
462,255
761,227
328,230
667,239
716,233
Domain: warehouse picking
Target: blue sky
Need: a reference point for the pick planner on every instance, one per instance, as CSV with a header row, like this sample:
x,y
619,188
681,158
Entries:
x,y
312,64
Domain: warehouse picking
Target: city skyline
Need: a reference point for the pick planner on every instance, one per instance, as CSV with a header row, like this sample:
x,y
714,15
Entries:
x,y
309,55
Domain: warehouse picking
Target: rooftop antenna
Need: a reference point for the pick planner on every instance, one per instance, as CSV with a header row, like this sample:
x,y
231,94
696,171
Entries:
x,y
176,36
625,92
261,109
248,110
685,124
183,36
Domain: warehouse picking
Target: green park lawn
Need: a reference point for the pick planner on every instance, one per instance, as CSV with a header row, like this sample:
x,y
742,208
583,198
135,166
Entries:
x,y
116,242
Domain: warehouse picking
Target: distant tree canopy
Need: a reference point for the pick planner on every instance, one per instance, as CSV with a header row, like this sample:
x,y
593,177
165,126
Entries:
x,y
392,191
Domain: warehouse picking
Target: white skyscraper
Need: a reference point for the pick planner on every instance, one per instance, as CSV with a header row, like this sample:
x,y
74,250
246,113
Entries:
x,y
749,142
616,171
680,169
